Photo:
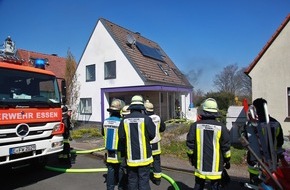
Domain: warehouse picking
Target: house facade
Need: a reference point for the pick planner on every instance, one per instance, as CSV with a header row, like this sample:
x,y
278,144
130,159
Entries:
x,y
119,63
270,75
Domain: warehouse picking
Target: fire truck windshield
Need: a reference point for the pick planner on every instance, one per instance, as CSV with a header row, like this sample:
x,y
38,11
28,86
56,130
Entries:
x,y
21,88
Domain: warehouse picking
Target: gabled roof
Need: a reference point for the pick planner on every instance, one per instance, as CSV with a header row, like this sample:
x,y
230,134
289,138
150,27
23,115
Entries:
x,y
151,70
56,64
268,44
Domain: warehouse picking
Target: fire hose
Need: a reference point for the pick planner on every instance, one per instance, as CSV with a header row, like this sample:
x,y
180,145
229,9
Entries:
x,y
96,170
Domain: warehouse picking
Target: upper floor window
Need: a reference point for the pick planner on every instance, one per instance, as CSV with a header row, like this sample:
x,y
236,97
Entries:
x,y
110,70
85,106
91,72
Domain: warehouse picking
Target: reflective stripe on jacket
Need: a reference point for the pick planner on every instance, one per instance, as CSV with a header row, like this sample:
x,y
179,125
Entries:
x,y
156,148
210,142
111,126
135,133
160,127
110,129
156,120
137,151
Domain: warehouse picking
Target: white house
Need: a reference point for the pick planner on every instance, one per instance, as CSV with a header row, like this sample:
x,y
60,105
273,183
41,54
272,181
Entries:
x,y
119,63
270,75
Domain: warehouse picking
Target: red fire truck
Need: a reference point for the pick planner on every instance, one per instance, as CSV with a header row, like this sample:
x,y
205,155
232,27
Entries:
x,y
30,110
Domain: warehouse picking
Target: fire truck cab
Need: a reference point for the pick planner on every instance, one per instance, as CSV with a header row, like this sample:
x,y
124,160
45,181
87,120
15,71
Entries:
x,y
30,110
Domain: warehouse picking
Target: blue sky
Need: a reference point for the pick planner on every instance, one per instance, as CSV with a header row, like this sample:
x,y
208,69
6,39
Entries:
x,y
199,36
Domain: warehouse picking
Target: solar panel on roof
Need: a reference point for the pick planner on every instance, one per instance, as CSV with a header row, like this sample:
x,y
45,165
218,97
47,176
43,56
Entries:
x,y
149,51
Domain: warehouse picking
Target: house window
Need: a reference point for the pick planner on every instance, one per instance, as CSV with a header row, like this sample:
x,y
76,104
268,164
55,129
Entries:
x,y
162,69
85,106
90,73
288,100
110,70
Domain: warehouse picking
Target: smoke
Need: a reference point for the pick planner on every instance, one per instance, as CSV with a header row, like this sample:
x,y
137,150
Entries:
x,y
200,71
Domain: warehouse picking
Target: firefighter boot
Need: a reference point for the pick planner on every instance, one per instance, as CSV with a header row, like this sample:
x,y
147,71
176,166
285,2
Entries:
x,y
156,178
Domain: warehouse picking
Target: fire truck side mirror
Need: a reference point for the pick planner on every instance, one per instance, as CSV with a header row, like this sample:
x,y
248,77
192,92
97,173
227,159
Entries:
x,y
63,91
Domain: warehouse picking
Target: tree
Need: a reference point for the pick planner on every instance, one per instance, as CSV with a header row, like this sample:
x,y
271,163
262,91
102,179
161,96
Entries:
x,y
71,80
245,89
227,80
234,80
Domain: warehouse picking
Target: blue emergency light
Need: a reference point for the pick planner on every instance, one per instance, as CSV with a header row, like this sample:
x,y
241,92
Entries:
x,y
40,63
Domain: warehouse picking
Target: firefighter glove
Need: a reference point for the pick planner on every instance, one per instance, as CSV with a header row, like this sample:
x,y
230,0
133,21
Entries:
x,y
190,157
227,165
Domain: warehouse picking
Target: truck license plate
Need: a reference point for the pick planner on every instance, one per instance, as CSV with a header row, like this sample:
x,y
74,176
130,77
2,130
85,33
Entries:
x,y
22,149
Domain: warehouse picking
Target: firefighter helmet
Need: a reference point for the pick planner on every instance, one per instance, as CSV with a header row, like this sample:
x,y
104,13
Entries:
x,y
137,99
210,105
149,106
125,110
116,105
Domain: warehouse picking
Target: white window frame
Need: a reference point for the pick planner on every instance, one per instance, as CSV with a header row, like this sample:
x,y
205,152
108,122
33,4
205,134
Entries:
x,y
90,73
110,70
85,106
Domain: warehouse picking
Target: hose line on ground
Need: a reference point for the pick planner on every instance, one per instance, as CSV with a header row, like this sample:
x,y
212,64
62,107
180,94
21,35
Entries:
x,y
87,151
170,180
70,170
95,170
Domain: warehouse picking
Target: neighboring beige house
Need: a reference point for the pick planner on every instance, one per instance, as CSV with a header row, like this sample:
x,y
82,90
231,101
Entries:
x,y
119,63
270,74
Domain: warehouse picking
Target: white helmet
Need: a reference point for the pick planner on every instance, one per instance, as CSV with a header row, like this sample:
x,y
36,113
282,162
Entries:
x,y
210,105
116,105
149,106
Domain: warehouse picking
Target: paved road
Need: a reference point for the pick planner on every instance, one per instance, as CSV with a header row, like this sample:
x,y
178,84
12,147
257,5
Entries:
x,y
31,179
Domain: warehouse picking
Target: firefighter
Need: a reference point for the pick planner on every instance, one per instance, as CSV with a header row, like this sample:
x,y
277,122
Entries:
x,y
66,119
208,142
155,143
255,133
135,133
113,157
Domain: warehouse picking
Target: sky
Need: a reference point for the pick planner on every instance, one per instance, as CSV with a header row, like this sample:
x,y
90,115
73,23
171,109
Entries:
x,y
200,37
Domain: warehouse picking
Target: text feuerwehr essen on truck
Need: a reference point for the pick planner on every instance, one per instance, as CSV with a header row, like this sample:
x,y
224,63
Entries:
x,y
30,111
